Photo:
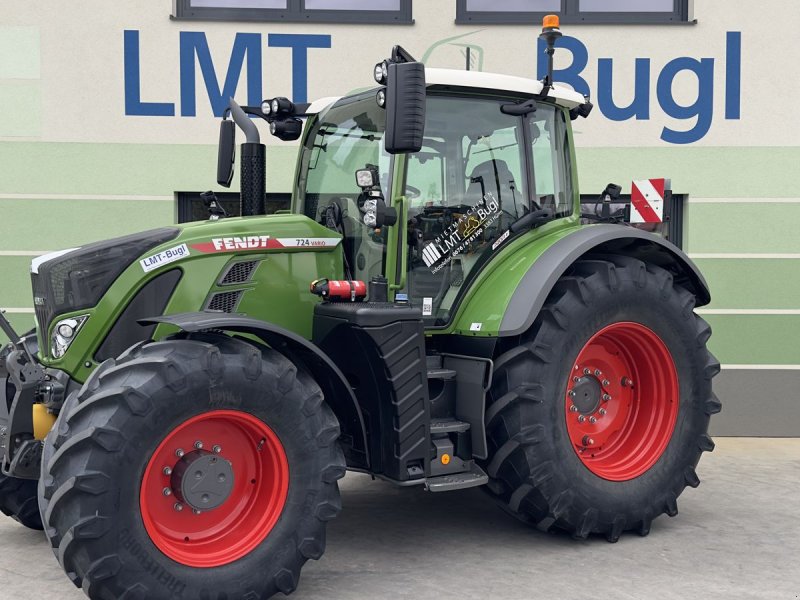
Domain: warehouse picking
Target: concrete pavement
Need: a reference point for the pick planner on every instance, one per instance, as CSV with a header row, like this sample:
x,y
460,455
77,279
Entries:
x,y
737,537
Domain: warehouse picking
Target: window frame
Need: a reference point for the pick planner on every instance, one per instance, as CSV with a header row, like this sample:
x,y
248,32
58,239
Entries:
x,y
571,14
295,12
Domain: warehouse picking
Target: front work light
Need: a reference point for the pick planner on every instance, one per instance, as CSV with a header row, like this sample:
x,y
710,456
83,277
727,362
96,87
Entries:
x,y
64,333
286,129
281,106
380,98
368,177
381,72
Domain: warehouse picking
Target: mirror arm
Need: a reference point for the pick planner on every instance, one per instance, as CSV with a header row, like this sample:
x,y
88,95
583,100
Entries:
x,y
244,123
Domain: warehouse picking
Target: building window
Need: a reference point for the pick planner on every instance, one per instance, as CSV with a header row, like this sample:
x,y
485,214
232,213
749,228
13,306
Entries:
x,y
296,11
189,207
517,12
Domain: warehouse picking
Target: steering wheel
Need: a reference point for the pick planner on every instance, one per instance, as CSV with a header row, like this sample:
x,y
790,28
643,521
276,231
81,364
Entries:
x,y
412,193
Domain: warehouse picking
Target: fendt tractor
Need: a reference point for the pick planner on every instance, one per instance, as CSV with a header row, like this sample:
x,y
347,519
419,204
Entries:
x,y
434,311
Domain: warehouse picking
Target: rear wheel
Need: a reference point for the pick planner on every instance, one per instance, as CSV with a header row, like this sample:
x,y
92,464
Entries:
x,y
18,500
197,467
599,413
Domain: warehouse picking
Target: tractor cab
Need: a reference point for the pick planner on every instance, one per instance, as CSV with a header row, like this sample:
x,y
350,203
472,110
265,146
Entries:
x,y
485,162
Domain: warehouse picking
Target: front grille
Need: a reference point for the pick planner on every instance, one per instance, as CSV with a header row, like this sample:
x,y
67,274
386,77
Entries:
x,y
240,272
225,301
78,279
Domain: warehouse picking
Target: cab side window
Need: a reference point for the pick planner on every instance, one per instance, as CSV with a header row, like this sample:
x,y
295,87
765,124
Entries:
x,y
551,169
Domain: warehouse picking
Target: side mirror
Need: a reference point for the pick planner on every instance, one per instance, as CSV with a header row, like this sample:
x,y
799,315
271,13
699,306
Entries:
x,y
405,107
226,153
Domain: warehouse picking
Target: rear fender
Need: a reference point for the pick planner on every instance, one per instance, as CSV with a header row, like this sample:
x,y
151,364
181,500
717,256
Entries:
x,y
303,353
537,283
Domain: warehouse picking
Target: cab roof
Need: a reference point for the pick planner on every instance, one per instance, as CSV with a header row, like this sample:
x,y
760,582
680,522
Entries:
x,y
562,95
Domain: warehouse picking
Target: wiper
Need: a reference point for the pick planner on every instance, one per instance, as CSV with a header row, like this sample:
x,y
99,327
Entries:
x,y
532,219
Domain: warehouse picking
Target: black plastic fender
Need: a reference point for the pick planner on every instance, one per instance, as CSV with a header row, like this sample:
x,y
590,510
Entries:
x,y
538,282
337,391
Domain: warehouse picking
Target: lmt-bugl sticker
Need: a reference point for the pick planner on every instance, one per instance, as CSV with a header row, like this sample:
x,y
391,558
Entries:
x,y
458,236
164,257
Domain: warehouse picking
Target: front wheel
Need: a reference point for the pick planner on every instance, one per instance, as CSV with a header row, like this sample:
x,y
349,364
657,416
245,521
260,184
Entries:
x,y
196,467
599,413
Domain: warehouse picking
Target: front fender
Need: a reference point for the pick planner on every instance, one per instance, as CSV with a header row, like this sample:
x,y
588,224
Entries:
x,y
337,391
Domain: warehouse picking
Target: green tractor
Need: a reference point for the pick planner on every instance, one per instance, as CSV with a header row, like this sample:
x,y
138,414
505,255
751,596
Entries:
x,y
433,311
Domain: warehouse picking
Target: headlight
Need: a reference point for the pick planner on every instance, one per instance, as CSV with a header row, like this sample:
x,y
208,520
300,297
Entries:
x,y
64,332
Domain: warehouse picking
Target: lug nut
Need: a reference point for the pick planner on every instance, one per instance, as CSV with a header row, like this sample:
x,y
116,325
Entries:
x,y
198,444
167,491
627,382
179,453
592,420
581,418
576,379
587,441
606,397
606,382
587,372
195,511
571,393
167,471
597,373
573,408
178,506
217,449
602,412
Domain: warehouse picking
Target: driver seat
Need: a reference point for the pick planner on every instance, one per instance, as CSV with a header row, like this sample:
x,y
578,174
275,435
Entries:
x,y
495,178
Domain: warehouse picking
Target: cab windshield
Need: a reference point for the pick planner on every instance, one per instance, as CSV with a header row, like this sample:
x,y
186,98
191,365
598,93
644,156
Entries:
x,y
344,139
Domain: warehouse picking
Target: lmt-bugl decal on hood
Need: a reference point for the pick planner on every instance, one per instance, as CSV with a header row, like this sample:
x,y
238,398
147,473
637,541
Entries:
x,y
262,242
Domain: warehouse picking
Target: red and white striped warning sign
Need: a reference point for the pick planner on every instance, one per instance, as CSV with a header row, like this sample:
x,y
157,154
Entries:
x,y
647,200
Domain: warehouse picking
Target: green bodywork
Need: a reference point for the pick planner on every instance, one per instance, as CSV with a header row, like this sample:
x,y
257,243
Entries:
x,y
279,290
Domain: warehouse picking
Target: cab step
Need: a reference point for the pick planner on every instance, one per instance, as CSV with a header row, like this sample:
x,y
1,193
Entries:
x,y
448,426
457,481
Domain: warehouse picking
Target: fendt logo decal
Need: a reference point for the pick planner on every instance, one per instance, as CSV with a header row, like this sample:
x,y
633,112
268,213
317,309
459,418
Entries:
x,y
458,236
262,242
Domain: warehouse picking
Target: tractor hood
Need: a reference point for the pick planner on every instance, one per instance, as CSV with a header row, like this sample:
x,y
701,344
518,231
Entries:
x,y
261,266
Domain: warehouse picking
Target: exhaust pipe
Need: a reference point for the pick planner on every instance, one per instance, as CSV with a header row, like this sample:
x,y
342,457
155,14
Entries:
x,y
253,165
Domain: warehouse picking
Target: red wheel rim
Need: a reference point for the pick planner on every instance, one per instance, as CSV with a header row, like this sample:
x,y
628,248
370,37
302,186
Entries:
x,y
257,496
622,401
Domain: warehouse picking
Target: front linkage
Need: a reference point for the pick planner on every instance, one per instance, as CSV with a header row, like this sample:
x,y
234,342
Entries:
x,y
30,397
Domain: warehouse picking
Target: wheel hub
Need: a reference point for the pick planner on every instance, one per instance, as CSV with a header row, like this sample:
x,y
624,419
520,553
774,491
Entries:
x,y
622,401
588,395
202,480
207,509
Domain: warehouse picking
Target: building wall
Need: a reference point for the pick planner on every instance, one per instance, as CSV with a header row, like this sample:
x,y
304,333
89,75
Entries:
x,y
82,160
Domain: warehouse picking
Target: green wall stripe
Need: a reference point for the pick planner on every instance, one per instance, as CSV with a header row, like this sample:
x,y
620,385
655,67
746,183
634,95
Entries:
x,y
704,172
66,223
755,339
21,323
143,169
701,171
15,275
742,228
748,283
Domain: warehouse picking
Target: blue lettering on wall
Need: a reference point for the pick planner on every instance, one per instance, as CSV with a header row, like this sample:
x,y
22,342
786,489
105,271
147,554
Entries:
x,y
733,75
702,109
299,43
639,108
195,43
246,55
133,88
